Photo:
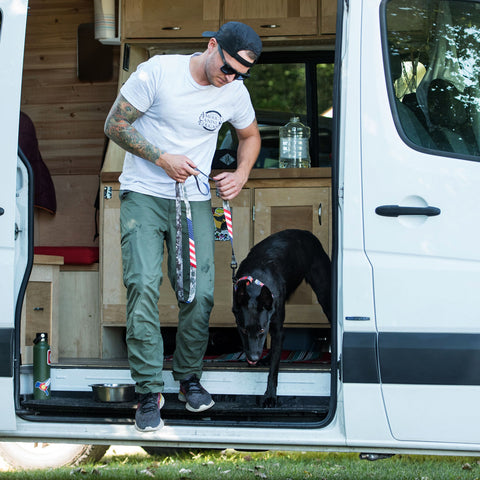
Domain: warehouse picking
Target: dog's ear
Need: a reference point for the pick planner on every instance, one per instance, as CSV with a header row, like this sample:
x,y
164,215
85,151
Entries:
x,y
266,298
240,294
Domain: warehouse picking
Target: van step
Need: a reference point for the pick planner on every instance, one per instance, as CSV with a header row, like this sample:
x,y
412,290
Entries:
x,y
78,406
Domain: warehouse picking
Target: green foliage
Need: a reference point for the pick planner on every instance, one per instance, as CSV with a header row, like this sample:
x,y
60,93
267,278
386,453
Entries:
x,y
278,87
236,465
282,87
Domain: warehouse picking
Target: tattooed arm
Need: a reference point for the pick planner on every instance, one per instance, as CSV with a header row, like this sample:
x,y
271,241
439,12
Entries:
x,y
119,128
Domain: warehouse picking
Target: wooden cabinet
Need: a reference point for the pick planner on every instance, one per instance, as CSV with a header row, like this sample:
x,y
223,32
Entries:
x,y
241,208
274,17
328,17
151,19
265,206
169,19
306,208
40,308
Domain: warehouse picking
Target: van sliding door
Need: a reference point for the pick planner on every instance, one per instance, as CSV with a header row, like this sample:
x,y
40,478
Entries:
x,y
421,196
12,33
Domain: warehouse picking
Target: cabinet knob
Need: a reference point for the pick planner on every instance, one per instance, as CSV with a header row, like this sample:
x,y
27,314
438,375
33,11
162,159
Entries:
x,y
2,211
271,25
171,28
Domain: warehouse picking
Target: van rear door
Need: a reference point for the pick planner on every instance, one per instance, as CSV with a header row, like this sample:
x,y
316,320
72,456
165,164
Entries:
x,y
421,195
12,180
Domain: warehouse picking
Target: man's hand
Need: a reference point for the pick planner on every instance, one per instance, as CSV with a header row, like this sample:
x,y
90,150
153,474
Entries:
x,y
177,167
229,184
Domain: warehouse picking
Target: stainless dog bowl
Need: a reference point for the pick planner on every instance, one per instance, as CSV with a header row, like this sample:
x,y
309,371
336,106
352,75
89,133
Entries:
x,y
113,392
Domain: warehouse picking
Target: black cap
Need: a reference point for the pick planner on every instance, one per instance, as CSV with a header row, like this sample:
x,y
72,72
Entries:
x,y
236,36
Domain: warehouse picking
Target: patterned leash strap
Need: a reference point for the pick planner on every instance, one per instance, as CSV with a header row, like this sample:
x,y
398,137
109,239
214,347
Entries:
x,y
228,220
181,195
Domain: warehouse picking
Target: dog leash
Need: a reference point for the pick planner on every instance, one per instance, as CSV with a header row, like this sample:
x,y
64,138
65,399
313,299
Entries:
x,y
181,195
227,212
228,220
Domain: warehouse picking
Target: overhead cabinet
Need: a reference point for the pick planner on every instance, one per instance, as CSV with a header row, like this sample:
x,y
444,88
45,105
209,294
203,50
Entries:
x,y
275,17
169,19
151,19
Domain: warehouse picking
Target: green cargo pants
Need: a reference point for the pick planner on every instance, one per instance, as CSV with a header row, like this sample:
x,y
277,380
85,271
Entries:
x,y
146,222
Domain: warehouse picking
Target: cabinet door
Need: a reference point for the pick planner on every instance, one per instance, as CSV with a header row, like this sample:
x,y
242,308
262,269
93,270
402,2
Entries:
x,y
241,209
275,17
306,208
169,19
328,16
112,289
114,293
114,297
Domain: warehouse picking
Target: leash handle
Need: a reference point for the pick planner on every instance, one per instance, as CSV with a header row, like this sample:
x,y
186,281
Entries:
x,y
181,195
228,220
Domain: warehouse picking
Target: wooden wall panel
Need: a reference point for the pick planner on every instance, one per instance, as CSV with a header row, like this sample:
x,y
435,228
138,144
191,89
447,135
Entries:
x,y
68,114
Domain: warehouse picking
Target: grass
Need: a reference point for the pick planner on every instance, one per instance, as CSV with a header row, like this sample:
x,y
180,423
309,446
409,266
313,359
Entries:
x,y
234,465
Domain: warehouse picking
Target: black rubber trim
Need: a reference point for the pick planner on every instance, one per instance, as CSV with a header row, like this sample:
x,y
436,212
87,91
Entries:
x,y
7,336
412,358
26,276
430,358
359,358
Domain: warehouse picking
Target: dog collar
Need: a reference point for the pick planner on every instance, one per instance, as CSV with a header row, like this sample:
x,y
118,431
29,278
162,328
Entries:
x,y
251,280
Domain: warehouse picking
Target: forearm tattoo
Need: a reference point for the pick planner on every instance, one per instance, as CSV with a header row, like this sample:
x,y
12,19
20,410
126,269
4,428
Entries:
x,y
118,127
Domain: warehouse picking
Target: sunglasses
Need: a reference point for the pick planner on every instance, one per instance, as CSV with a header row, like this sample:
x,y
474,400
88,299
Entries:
x,y
228,70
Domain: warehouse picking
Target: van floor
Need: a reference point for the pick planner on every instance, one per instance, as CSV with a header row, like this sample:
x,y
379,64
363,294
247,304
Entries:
x,y
229,409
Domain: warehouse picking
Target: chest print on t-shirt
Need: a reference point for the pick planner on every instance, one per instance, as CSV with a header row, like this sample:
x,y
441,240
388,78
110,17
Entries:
x,y
210,120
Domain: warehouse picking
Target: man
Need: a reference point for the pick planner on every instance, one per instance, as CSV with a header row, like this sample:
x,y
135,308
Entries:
x,y
167,117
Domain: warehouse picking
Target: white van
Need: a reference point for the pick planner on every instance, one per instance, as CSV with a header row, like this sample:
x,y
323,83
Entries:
x,y
404,369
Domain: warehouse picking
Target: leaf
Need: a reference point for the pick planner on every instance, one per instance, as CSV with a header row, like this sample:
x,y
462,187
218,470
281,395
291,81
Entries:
x,y
147,472
78,470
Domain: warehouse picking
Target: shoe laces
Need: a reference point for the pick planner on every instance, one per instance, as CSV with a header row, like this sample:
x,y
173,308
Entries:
x,y
192,385
149,402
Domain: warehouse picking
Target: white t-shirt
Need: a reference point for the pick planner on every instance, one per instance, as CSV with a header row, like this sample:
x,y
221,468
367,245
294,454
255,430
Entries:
x,y
179,116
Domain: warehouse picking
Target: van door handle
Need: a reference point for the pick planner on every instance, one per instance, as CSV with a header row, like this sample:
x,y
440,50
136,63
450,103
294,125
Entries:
x,y
397,210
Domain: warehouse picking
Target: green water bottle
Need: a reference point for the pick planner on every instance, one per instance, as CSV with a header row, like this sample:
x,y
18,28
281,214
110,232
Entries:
x,y
41,367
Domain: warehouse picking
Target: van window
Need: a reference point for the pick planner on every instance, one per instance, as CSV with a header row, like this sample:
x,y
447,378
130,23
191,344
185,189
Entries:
x,y
433,54
283,85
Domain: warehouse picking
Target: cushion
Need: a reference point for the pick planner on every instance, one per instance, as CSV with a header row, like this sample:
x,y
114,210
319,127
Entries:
x,y
71,255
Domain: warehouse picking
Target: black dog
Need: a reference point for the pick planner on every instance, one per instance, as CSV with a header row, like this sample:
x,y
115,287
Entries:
x,y
267,277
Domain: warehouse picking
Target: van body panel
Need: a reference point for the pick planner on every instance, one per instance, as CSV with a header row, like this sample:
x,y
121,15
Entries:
x,y
426,269
12,38
407,338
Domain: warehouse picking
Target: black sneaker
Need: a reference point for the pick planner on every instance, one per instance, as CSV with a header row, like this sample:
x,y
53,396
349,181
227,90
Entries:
x,y
196,397
147,416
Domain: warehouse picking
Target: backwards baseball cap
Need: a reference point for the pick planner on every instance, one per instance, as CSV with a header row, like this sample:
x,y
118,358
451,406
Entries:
x,y
236,36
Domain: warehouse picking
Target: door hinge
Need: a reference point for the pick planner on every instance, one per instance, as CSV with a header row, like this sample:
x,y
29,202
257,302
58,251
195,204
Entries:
x,y
253,213
340,192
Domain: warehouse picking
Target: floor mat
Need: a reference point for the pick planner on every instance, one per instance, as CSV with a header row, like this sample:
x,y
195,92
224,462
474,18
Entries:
x,y
288,356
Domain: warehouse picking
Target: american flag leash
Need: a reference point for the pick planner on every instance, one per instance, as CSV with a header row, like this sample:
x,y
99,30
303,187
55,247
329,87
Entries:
x,y
228,220
181,195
